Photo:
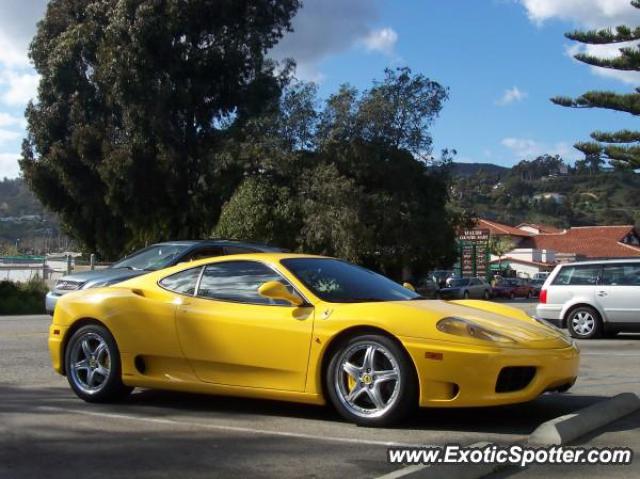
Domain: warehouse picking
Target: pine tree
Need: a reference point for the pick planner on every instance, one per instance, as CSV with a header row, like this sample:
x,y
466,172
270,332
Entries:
x,y
621,148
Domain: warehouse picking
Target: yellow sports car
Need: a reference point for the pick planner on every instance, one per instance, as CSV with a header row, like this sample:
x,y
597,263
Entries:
x,y
303,328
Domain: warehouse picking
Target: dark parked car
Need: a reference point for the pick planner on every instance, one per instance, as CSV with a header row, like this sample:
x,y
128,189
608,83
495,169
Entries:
x,y
152,258
513,288
464,288
427,287
536,284
440,276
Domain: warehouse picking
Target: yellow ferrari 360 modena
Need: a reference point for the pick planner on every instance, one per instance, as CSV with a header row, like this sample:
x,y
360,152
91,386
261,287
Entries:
x,y
303,328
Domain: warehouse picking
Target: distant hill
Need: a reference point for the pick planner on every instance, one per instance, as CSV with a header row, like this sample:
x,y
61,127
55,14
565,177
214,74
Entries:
x,y
24,221
548,191
469,169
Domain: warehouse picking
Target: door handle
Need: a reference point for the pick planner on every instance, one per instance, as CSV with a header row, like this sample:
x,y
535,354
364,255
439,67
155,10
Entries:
x,y
602,293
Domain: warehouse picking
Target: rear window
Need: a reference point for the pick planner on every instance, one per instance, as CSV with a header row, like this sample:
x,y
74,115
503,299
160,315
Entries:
x,y
621,274
578,275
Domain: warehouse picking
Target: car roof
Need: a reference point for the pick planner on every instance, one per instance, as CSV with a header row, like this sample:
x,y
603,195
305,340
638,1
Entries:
x,y
273,257
602,261
260,247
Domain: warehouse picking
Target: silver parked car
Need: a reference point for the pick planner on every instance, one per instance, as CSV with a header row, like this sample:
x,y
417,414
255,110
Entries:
x,y
593,298
152,258
465,288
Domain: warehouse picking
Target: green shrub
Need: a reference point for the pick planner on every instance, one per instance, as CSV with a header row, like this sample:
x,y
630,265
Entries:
x,y
22,298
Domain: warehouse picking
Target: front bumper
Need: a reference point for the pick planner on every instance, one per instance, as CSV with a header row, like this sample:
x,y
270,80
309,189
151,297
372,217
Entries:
x,y
550,312
50,301
457,294
55,340
456,375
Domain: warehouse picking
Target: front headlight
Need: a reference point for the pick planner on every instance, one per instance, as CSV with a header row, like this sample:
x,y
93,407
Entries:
x,y
99,284
549,325
469,329
68,285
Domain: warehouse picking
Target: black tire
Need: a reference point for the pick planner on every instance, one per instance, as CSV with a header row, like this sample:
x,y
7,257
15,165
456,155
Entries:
x,y
405,399
110,387
465,295
578,319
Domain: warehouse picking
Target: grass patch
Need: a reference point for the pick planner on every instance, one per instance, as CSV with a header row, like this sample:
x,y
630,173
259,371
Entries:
x,y
22,298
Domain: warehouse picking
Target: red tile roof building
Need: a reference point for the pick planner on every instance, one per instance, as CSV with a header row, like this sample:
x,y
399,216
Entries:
x,y
584,242
590,241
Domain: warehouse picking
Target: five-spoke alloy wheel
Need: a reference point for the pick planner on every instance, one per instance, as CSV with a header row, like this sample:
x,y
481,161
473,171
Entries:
x,y
370,381
92,365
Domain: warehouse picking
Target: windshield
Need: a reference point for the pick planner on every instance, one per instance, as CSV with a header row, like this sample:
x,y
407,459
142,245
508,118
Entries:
x,y
337,281
456,283
153,257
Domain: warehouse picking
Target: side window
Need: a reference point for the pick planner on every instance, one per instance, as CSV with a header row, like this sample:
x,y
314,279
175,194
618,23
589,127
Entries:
x,y
183,282
621,274
578,275
238,281
202,253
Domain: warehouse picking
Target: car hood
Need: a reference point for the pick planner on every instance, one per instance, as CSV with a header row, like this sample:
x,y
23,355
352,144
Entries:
x,y
419,318
110,275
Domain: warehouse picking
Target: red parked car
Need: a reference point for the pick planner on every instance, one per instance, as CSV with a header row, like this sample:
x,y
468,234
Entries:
x,y
513,288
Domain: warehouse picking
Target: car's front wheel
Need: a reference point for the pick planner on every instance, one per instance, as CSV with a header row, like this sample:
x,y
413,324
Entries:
x,y
92,365
370,380
584,323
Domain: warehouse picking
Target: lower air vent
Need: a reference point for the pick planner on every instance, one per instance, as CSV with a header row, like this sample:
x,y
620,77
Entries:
x,y
514,378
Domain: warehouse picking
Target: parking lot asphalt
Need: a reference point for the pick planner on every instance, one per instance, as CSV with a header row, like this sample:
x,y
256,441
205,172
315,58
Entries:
x,y
45,431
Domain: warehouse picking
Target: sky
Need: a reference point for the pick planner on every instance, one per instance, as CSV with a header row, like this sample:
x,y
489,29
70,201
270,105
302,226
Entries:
x,y
501,60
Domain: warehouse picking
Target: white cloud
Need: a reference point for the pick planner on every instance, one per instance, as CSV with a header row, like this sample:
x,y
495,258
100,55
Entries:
x,y
9,120
586,13
19,88
589,14
383,40
12,53
511,95
9,165
323,28
605,51
528,149
8,135
18,20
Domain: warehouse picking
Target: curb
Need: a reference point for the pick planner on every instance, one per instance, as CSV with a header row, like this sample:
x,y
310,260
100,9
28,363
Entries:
x,y
565,429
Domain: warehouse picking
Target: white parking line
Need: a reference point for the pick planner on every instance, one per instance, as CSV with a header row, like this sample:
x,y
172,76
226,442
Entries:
x,y
408,470
405,471
220,427
622,355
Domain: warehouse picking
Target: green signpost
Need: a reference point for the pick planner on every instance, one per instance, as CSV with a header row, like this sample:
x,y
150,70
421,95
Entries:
x,y
473,253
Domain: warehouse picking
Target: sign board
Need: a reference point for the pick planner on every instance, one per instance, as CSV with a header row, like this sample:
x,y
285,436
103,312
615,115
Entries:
x,y
473,248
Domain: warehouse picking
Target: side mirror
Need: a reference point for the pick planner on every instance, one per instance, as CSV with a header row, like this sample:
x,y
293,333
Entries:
x,y
276,290
409,286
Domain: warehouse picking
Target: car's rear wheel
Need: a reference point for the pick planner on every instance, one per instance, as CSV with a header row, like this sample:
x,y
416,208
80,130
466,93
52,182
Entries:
x,y
584,323
92,364
370,380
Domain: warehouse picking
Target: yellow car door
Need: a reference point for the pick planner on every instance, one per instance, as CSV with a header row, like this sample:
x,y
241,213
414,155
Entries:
x,y
233,336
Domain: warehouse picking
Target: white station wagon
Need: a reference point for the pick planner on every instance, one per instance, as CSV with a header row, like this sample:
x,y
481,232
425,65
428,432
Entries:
x,y
593,298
